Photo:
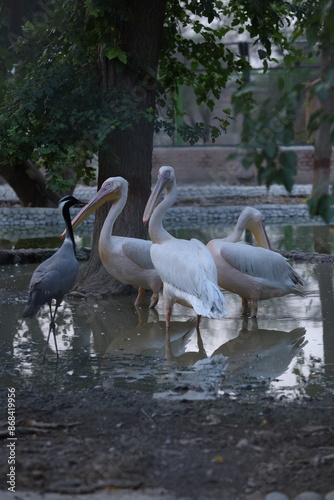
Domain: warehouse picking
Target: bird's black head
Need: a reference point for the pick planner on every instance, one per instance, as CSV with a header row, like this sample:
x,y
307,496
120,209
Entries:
x,y
69,201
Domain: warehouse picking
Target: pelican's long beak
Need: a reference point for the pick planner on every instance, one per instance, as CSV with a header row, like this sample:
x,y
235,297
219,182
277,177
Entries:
x,y
157,190
102,196
261,236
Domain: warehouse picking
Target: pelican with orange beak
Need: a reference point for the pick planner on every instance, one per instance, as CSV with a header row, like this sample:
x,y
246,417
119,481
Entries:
x,y
126,259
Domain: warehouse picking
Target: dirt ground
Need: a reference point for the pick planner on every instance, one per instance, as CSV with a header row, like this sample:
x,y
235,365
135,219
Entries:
x,y
83,441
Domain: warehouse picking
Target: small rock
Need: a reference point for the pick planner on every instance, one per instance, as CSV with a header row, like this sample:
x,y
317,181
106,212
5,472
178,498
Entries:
x,y
309,495
243,443
276,495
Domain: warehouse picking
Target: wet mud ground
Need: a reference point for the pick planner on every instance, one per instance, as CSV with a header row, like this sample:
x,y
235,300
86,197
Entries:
x,y
242,448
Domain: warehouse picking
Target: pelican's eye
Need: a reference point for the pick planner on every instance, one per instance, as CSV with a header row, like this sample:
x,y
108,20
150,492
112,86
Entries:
x,y
108,186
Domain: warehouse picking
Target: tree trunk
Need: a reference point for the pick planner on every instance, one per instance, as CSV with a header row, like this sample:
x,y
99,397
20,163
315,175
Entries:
x,y
128,153
322,140
29,185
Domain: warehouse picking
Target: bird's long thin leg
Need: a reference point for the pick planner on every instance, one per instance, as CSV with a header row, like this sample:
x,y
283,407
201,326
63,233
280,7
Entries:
x,y
200,344
244,324
52,327
254,324
140,296
198,320
254,309
244,303
168,313
154,300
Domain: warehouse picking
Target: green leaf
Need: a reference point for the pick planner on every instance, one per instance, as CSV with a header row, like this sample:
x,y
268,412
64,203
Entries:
x,y
115,52
288,159
286,179
262,54
289,59
270,149
322,205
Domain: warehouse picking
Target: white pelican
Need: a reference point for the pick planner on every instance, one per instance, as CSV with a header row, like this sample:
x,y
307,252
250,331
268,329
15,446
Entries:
x,y
126,259
186,268
56,276
251,272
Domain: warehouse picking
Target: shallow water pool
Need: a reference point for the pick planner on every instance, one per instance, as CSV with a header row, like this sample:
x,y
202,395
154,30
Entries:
x,y
288,351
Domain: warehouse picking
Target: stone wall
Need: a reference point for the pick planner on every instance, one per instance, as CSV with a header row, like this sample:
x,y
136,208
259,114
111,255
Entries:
x,y
210,165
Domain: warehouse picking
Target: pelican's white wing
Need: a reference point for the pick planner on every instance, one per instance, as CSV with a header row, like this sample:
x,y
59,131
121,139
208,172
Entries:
x,y
260,263
206,260
138,251
188,267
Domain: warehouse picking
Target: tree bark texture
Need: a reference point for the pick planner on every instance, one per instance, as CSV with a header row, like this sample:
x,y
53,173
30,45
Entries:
x,y
29,185
322,139
128,153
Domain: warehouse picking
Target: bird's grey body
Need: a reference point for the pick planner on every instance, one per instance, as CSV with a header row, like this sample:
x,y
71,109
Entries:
x,y
52,279
56,276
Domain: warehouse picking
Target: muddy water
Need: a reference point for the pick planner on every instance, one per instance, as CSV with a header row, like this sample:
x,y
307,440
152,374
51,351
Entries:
x,y
288,351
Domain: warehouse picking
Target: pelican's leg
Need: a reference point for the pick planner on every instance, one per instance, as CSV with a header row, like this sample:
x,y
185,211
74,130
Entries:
x,y
168,313
168,301
244,303
254,308
200,344
198,320
254,324
154,299
140,296
244,323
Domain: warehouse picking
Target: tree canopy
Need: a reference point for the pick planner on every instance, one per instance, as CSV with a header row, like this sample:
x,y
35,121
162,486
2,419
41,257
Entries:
x,y
54,110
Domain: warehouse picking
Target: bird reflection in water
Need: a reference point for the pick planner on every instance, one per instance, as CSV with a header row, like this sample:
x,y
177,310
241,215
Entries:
x,y
259,352
106,319
262,352
148,336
